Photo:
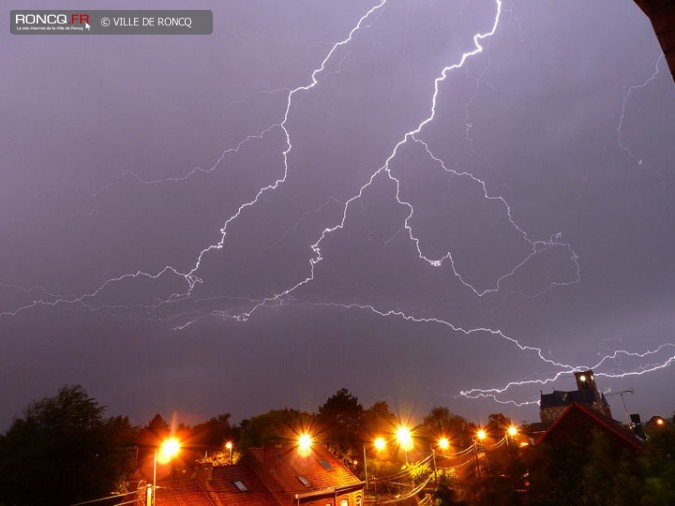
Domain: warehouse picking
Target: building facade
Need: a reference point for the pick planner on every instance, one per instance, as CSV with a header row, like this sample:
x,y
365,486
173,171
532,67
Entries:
x,y
552,406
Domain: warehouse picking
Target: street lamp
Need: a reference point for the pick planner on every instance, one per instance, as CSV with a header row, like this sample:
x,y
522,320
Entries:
x,y
304,443
511,432
228,445
480,436
443,444
404,438
164,453
379,443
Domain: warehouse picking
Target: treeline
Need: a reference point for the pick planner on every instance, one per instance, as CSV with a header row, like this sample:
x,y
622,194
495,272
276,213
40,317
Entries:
x,y
63,450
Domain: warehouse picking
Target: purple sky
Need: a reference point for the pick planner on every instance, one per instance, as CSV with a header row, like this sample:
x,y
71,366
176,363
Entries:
x,y
234,223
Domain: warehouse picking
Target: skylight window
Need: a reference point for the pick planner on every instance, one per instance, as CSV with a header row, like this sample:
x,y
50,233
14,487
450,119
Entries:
x,y
304,481
326,465
240,486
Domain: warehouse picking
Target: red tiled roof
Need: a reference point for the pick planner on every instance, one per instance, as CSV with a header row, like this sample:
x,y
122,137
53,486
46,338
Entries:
x,y
285,466
181,492
271,477
223,487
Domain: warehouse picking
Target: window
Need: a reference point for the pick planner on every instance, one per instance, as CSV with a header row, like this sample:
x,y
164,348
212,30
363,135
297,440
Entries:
x,y
304,481
240,486
326,465
358,500
344,502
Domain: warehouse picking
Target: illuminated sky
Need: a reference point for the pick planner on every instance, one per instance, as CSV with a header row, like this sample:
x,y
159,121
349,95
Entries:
x,y
306,200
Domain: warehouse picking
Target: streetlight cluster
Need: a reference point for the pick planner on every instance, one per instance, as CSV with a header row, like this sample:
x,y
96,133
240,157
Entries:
x,y
403,436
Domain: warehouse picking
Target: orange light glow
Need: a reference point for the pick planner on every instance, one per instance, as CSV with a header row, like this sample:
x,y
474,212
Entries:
x,y
379,443
512,431
481,434
304,442
443,443
168,449
404,437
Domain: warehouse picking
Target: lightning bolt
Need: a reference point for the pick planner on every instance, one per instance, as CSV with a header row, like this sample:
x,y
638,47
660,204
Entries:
x,y
567,369
199,170
619,127
192,307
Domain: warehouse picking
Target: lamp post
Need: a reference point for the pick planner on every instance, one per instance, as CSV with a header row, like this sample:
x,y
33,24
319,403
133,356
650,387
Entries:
x,y
404,438
443,444
480,436
379,443
166,451
228,445
511,432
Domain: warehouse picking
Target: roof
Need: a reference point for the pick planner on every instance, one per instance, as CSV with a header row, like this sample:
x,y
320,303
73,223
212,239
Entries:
x,y
264,477
536,428
182,492
577,421
253,491
662,15
558,398
284,470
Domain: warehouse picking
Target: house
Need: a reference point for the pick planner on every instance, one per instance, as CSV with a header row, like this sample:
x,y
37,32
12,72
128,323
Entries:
x,y
578,422
317,478
271,476
552,406
584,457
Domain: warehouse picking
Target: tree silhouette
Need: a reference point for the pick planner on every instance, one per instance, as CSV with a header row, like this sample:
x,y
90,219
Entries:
x,y
60,452
340,417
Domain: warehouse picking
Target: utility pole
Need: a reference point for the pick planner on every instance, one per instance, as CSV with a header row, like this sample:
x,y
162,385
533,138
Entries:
x,y
623,401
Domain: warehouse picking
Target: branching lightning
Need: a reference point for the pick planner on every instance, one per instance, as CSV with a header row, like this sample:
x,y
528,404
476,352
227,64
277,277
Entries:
x,y
199,170
619,128
191,278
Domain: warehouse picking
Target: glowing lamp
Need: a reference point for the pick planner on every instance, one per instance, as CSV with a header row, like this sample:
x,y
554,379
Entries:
x,y
168,449
404,437
379,443
304,442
